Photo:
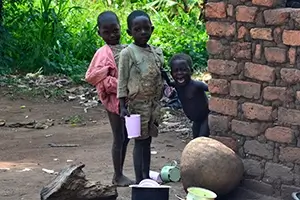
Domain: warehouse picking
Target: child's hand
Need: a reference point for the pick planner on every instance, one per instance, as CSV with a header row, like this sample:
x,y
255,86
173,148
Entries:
x,y
169,92
124,112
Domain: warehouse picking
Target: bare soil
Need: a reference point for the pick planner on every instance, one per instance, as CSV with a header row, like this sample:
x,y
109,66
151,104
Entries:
x,y
26,151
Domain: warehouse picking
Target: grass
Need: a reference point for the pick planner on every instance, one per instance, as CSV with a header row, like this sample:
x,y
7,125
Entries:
x,y
75,120
61,35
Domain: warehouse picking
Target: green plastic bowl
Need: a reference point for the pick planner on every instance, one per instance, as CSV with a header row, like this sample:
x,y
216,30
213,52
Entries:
x,y
196,193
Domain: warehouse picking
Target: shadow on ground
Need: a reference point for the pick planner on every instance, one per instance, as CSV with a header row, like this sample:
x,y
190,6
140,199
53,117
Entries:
x,y
244,194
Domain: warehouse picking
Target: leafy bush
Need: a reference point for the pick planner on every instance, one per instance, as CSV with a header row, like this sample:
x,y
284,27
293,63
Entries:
x,y
60,36
6,49
180,35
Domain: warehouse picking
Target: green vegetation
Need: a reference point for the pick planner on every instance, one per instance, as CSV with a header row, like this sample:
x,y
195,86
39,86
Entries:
x,y
60,36
75,120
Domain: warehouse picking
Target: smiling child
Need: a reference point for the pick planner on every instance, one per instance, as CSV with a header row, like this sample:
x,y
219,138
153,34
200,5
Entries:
x,y
191,93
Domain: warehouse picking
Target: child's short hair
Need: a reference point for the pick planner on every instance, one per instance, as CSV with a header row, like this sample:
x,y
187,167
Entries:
x,y
134,14
104,16
182,56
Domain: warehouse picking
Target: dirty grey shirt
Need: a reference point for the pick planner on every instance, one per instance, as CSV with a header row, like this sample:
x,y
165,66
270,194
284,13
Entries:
x,y
116,49
129,75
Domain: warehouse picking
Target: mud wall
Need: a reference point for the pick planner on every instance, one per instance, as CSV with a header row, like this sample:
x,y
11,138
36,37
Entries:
x,y
254,49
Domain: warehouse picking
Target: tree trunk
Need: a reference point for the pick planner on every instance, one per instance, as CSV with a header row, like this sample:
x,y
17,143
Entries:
x,y
71,184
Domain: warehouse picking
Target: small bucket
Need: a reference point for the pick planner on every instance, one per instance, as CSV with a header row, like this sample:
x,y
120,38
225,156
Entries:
x,y
195,193
170,173
296,195
148,183
133,126
150,193
155,176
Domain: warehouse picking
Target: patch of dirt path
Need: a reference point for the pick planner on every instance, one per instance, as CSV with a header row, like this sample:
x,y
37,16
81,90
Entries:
x,y
24,148
26,151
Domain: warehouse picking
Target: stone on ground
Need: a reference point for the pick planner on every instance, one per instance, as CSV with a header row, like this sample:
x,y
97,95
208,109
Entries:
x,y
208,163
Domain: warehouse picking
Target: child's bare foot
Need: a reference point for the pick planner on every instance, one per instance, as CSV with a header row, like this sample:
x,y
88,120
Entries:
x,y
122,181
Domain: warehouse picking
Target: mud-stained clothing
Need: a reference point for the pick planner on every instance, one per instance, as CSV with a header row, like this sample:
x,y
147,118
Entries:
x,y
103,74
116,49
140,80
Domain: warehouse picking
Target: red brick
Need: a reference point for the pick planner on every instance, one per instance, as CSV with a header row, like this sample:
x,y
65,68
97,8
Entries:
x,y
275,171
215,10
287,190
297,177
292,55
230,10
218,86
295,15
258,186
261,33
298,95
289,116
290,37
227,141
280,134
223,106
257,111
259,21
251,129
220,29
277,16
242,32
271,93
267,3
241,50
259,72
222,67
254,147
289,154
257,54
291,76
218,123
215,47
253,168
245,89
277,35
274,54
245,13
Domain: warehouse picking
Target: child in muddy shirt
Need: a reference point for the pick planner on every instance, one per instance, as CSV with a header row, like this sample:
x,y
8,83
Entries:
x,y
140,80
102,73
191,93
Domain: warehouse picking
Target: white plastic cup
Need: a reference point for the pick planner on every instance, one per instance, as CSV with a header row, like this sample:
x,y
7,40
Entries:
x,y
155,176
133,126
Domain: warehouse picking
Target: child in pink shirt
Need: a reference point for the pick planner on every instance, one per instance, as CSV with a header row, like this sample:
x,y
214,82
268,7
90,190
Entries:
x,y
103,74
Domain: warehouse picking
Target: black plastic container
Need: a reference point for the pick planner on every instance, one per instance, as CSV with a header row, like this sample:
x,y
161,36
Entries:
x,y
150,193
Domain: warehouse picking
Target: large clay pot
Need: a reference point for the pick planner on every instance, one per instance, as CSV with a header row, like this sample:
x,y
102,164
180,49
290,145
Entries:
x,y
209,164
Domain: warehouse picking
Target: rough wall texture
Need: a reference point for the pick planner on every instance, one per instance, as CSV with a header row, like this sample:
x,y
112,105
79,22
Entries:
x,y
254,49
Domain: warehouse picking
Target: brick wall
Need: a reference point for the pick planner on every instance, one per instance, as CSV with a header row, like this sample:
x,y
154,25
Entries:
x,y
254,49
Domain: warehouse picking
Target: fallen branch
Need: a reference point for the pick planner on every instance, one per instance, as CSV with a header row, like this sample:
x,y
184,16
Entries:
x,y
71,184
63,145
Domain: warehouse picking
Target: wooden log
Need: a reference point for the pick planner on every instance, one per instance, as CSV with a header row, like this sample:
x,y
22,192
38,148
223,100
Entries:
x,y
71,184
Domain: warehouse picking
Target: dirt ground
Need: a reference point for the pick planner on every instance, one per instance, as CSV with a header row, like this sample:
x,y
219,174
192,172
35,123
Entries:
x,y
23,148
25,151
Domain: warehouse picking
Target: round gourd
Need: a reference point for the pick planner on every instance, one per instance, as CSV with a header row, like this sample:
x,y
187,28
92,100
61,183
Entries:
x,y
209,164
